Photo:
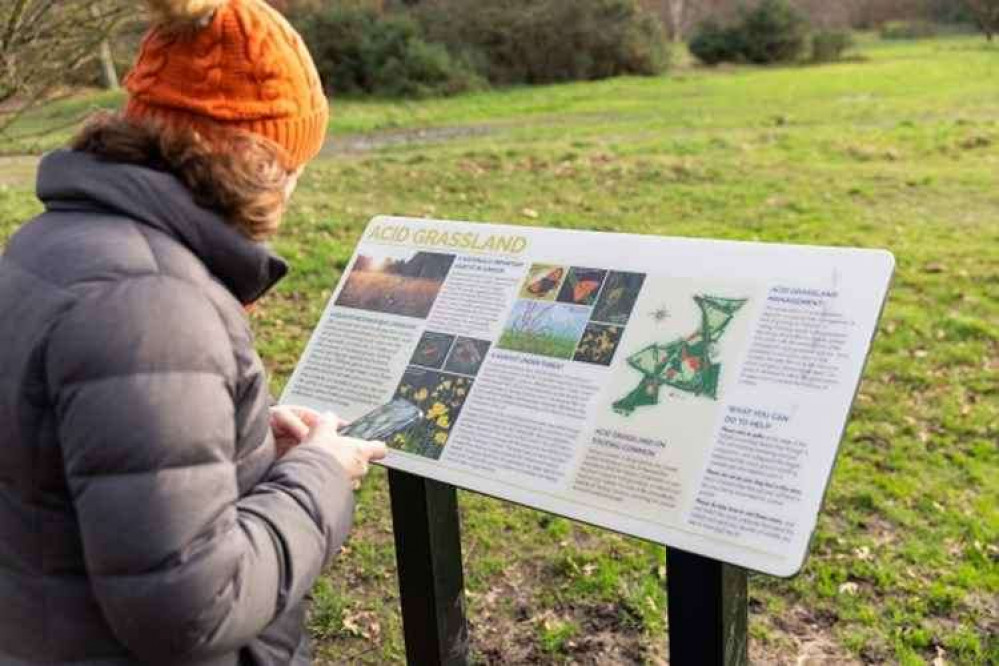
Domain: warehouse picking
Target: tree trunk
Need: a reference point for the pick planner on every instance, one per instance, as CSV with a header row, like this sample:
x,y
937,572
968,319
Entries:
x,y
109,75
675,15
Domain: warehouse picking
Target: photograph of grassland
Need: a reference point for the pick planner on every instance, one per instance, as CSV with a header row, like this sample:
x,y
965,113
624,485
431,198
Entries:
x,y
546,329
403,285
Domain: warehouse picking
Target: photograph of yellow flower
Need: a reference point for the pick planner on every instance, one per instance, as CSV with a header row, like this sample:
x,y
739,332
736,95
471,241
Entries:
x,y
440,396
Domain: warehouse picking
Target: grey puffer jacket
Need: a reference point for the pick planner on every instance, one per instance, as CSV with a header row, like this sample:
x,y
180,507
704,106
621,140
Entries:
x,y
143,516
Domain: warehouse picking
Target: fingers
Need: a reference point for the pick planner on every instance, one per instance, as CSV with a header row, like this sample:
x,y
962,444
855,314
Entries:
x,y
366,451
354,455
310,417
362,469
285,422
330,416
376,450
325,428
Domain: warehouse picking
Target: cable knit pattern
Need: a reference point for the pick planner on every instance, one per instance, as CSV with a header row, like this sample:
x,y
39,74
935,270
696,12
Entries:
x,y
246,68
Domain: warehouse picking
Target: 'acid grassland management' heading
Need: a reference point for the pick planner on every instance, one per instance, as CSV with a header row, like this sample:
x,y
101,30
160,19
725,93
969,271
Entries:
x,y
452,240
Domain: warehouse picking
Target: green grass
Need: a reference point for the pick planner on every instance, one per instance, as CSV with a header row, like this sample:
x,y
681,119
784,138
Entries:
x,y
900,151
52,126
556,346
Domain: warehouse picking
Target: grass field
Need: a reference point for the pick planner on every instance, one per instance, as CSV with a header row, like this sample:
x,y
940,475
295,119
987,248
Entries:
x,y
898,151
538,343
382,292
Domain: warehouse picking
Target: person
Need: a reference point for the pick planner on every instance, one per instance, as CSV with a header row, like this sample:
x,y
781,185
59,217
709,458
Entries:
x,y
154,508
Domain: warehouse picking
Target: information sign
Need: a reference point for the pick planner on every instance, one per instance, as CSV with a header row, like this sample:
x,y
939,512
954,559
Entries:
x,y
690,392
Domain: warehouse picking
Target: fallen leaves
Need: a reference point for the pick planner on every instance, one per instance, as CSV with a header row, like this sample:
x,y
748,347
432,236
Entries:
x,y
363,624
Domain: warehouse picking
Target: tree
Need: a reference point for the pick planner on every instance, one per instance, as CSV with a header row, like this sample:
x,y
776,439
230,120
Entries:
x,y
987,15
679,16
676,15
44,43
109,75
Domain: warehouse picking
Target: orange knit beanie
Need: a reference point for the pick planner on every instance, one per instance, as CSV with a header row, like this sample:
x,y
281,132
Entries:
x,y
230,63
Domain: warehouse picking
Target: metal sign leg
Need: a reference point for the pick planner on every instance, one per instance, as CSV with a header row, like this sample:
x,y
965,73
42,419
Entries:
x,y
708,611
431,583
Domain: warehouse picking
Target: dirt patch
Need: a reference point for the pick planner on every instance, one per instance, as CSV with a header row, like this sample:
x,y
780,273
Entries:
x,y
803,638
19,170
600,634
363,143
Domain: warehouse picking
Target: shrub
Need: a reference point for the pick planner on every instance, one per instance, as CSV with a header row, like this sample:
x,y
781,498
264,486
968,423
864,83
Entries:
x,y
773,32
947,11
357,50
713,43
544,41
908,30
830,45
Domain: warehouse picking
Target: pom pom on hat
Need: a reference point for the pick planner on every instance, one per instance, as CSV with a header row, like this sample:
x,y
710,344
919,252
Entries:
x,y
183,12
241,65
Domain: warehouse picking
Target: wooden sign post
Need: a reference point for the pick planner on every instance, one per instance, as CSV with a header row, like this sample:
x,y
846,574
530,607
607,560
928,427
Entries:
x,y
688,392
708,610
431,579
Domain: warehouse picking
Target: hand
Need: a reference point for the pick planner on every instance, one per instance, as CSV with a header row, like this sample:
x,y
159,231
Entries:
x,y
291,425
354,455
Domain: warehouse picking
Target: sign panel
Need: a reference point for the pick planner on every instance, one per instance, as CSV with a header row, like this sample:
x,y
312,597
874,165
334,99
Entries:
x,y
690,392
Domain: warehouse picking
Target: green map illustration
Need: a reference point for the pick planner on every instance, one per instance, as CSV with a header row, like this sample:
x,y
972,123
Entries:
x,y
685,363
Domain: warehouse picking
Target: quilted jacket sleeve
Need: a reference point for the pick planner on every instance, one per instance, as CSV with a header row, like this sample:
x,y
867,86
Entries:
x,y
143,376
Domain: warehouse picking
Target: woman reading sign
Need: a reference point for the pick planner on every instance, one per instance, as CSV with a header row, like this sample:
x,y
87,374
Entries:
x,y
153,508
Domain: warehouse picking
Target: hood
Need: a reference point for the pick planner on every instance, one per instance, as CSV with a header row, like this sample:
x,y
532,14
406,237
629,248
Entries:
x,y
73,181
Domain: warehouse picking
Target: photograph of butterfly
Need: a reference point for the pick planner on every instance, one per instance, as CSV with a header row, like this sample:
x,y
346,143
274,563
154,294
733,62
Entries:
x,y
581,286
432,349
617,298
467,355
543,282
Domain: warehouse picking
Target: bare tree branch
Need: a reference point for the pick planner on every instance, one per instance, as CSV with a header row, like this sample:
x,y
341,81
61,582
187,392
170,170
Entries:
x,y
13,20
46,43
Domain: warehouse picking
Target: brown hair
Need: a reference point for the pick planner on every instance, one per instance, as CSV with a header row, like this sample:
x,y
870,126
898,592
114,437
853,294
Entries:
x,y
235,173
